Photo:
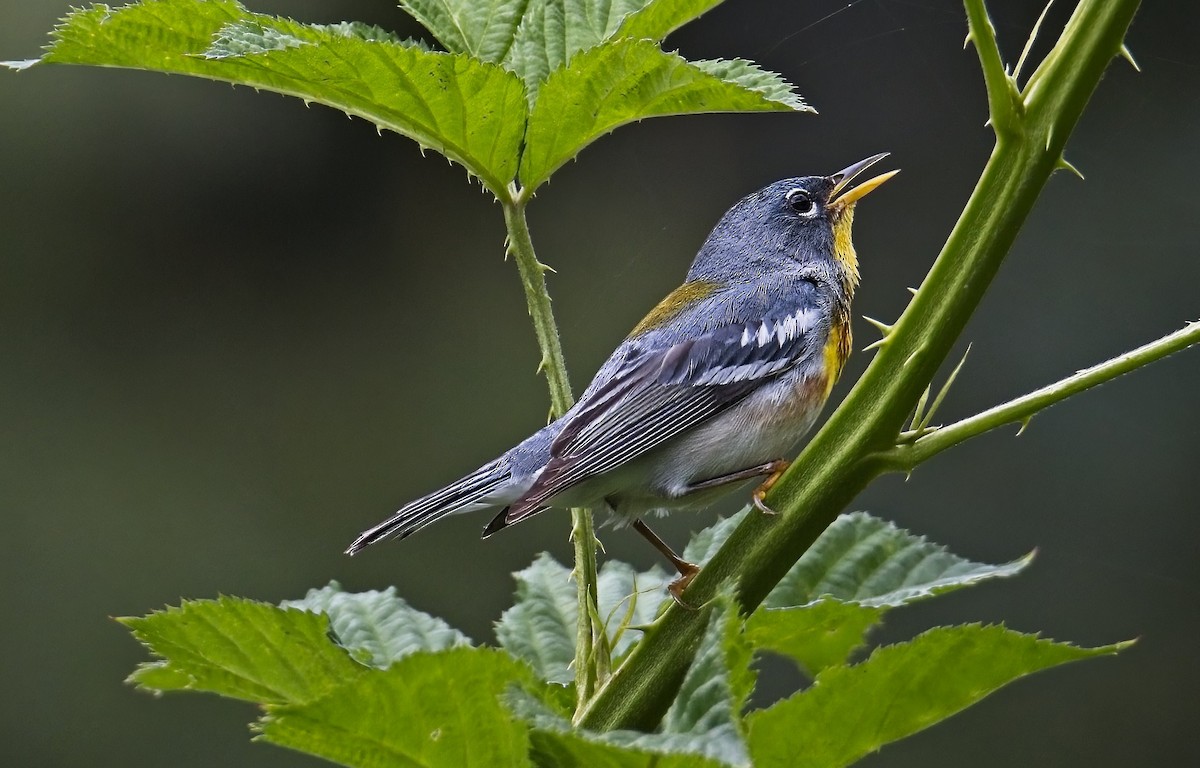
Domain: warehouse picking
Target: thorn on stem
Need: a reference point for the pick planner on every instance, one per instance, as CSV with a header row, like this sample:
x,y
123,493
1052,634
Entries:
x,y
1024,424
879,325
1064,165
1125,54
875,344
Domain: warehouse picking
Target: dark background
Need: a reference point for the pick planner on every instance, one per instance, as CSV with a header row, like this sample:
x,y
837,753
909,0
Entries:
x,y
235,331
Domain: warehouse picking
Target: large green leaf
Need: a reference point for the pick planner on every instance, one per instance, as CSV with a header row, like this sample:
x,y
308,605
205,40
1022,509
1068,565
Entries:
x,y
428,709
872,562
378,628
852,711
624,80
241,648
469,110
705,717
860,567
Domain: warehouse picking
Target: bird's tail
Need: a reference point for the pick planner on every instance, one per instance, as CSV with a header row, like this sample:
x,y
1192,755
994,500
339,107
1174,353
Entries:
x,y
488,486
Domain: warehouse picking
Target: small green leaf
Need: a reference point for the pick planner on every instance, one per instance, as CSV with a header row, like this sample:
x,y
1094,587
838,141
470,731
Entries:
x,y
821,634
540,627
620,586
242,649
662,17
869,561
378,628
428,709
553,31
471,111
620,81
901,689
483,28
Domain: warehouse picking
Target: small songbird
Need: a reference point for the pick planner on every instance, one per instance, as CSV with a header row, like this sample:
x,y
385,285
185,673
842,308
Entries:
x,y
715,387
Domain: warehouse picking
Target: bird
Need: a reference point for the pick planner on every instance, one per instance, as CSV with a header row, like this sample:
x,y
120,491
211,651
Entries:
x,y
715,387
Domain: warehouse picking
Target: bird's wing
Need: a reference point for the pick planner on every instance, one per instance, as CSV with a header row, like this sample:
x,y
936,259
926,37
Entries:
x,y
658,392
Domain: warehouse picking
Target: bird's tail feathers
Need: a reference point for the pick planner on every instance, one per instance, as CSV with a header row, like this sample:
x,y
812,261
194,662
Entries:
x,y
505,518
482,488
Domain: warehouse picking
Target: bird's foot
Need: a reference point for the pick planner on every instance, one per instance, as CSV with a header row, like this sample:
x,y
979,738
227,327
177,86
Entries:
x,y
777,468
687,572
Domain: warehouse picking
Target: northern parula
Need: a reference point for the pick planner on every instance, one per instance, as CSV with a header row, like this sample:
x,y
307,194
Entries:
x,y
714,387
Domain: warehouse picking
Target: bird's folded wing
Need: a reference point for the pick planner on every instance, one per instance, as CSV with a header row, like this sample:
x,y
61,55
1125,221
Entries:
x,y
659,393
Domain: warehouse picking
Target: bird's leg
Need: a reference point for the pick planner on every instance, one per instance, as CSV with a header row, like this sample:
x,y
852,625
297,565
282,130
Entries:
x,y
773,470
777,468
687,571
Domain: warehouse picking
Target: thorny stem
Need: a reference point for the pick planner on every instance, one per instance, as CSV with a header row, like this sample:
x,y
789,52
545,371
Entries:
x,y
1031,132
907,455
583,535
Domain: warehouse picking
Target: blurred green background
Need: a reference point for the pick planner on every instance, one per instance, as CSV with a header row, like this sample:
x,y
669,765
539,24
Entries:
x,y
235,331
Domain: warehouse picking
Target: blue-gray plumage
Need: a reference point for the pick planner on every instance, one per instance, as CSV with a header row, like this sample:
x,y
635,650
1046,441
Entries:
x,y
713,388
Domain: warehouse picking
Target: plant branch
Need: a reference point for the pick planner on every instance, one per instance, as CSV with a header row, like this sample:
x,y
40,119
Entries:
x,y
1004,101
842,458
583,536
906,456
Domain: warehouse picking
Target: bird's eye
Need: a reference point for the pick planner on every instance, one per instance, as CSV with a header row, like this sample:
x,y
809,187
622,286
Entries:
x,y
801,203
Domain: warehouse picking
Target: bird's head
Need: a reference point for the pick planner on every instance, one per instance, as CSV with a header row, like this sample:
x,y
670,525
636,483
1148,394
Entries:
x,y
805,220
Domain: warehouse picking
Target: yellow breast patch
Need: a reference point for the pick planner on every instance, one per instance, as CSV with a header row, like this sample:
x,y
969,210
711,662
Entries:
x,y
837,350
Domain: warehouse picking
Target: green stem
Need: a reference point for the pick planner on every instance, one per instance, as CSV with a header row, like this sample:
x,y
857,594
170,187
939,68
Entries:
x,y
907,456
1004,102
842,458
583,537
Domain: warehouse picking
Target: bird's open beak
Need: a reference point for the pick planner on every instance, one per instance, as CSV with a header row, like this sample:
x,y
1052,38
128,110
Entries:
x,y
843,195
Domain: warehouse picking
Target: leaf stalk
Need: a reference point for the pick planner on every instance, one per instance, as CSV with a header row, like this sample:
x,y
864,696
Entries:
x,y
553,365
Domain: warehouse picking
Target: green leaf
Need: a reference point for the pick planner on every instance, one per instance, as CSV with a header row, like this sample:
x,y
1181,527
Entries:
x,y
705,717
624,80
566,749
378,628
822,634
860,567
869,561
242,649
428,710
553,31
557,744
705,543
483,28
662,17
540,627
471,111
852,711
631,597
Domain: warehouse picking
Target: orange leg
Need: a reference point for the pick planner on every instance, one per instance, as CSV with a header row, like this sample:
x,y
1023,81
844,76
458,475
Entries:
x,y
776,469
687,571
